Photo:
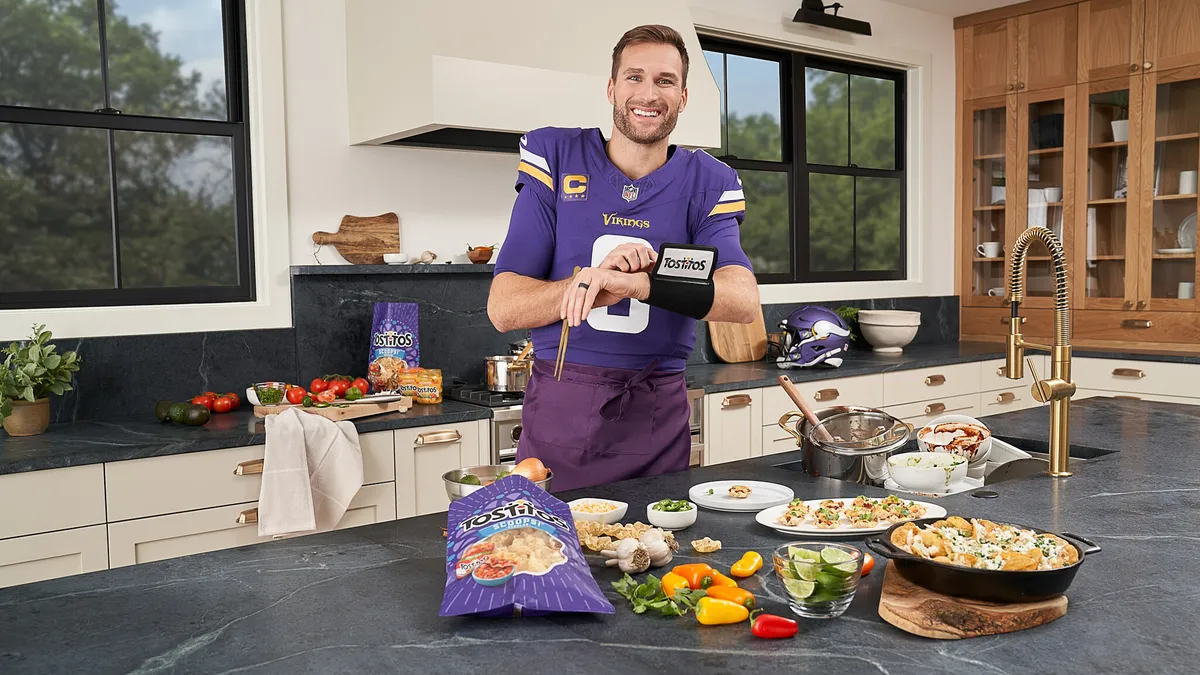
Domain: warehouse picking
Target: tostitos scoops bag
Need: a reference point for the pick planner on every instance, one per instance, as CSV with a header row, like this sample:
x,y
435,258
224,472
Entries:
x,y
512,550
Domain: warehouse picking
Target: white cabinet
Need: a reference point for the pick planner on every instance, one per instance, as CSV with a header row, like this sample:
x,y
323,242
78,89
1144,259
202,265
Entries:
x,y
930,384
732,426
38,557
423,454
863,390
1137,377
54,499
921,413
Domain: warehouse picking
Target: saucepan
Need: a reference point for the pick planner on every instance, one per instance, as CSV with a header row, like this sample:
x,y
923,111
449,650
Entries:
x,y
507,373
852,443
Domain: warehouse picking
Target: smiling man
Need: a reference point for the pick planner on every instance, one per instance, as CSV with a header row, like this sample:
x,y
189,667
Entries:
x,y
612,208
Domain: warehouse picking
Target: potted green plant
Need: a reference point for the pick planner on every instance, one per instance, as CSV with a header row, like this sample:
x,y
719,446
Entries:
x,y
32,370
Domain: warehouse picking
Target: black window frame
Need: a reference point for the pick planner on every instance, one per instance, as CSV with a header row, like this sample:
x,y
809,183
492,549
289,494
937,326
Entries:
x,y
795,162
235,127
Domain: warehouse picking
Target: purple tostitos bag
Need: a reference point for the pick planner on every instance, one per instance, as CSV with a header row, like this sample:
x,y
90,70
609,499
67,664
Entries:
x,y
512,550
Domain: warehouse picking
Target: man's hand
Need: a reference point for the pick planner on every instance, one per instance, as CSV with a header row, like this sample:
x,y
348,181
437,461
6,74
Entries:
x,y
630,258
596,287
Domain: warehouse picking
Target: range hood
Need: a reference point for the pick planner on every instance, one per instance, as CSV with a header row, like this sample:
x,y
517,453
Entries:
x,y
476,74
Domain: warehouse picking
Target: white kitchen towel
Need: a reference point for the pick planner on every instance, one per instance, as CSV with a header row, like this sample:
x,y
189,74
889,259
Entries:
x,y
312,469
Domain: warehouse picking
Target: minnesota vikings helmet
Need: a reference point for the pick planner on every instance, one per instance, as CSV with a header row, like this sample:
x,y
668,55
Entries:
x,y
813,336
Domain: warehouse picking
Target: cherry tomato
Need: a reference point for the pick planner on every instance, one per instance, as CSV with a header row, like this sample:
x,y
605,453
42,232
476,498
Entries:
x,y
326,396
296,394
362,385
223,404
205,400
868,564
237,400
318,385
213,394
339,387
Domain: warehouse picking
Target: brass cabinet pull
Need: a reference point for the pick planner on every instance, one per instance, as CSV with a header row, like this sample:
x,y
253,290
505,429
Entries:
x,y
1141,304
1006,397
935,380
934,408
1128,398
1129,372
1136,323
248,516
1000,372
1011,86
250,466
1008,319
736,400
1133,67
1020,85
1128,305
436,437
1147,65
827,395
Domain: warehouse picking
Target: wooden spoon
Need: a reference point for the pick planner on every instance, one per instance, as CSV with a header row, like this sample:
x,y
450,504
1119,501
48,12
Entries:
x,y
525,351
802,404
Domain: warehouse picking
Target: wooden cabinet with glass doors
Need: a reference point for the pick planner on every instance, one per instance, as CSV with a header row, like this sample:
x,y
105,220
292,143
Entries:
x,y
1109,163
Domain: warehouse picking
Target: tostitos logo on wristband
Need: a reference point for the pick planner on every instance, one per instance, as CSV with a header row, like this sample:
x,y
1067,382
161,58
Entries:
x,y
686,262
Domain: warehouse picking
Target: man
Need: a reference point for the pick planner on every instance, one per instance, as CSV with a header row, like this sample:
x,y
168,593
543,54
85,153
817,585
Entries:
x,y
619,408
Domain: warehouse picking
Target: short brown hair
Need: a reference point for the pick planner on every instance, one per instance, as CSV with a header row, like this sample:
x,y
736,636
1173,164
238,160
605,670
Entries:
x,y
651,34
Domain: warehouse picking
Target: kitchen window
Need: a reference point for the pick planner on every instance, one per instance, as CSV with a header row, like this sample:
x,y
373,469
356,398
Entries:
x,y
124,168
819,146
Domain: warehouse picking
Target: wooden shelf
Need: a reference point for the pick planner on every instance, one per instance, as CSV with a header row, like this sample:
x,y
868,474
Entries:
x,y
1046,151
1106,258
1174,256
1108,144
1037,258
988,260
1176,137
1094,202
990,207
998,155
1164,198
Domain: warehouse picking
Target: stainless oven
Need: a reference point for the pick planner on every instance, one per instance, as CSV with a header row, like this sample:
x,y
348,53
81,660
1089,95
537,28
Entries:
x,y
696,401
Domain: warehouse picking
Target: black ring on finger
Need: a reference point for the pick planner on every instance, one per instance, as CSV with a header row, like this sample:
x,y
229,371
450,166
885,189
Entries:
x,y
584,285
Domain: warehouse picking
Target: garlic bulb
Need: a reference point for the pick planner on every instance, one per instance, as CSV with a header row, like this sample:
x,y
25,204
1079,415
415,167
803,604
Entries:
x,y
631,557
656,546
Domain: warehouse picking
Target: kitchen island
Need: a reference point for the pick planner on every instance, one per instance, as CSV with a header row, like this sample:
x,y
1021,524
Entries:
x,y
366,599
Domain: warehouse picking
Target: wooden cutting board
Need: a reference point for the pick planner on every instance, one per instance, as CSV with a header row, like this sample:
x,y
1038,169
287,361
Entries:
x,y
739,342
920,611
350,412
364,240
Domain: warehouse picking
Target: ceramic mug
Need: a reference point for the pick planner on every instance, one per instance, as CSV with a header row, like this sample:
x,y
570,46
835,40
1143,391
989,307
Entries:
x,y
989,249
1187,290
1187,182
996,292
1053,194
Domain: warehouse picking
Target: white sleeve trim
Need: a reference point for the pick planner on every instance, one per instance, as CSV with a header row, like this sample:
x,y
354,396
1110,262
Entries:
x,y
536,160
730,195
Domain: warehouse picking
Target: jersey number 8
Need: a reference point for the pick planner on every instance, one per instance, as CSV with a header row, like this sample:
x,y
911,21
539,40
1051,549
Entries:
x,y
639,312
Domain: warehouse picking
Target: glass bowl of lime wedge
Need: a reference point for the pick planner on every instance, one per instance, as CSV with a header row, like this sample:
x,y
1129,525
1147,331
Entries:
x,y
820,578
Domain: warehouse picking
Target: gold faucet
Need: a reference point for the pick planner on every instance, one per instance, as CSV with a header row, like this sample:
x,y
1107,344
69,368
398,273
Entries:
x,y
1059,388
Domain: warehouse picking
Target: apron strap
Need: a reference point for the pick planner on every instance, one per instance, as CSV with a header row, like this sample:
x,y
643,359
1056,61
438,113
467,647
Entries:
x,y
618,401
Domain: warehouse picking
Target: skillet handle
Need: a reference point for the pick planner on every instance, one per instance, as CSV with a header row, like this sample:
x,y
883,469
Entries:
x,y
1092,547
884,547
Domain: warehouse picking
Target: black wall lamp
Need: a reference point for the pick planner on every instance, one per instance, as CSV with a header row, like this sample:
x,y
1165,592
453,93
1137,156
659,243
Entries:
x,y
813,12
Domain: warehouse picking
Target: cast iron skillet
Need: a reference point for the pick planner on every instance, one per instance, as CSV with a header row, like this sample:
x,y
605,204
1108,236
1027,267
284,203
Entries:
x,y
969,582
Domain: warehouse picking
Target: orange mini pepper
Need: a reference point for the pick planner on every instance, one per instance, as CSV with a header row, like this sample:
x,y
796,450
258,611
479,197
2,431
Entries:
x,y
739,595
722,580
672,582
698,575
750,563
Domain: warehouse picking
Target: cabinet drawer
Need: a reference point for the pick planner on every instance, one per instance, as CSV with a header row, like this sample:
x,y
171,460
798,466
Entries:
x,y
732,426
54,499
918,414
864,390
1144,377
159,485
1081,394
776,440
991,373
179,534
423,454
38,557
924,384
1006,400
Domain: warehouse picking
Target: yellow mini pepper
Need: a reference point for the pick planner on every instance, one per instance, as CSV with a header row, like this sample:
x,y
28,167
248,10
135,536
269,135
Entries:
x,y
722,580
714,611
672,582
750,563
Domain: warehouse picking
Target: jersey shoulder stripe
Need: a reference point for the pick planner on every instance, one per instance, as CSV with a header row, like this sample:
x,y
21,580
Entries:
x,y
535,172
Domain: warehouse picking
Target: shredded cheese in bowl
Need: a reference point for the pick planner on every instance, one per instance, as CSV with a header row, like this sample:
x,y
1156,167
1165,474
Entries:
x,y
594,507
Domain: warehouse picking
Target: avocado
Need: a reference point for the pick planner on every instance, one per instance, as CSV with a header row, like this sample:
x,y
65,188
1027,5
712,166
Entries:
x,y
177,412
196,415
162,410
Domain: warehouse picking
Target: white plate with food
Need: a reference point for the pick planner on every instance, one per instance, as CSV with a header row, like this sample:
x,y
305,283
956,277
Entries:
x,y
739,495
844,515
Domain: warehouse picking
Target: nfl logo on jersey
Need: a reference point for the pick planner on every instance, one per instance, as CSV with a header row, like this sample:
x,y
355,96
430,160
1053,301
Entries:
x,y
629,193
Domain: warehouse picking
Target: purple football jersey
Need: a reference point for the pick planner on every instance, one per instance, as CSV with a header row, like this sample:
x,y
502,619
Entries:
x,y
574,206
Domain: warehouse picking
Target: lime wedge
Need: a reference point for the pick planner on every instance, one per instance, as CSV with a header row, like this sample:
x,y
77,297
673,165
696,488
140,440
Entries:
x,y
797,553
835,555
846,569
805,570
798,589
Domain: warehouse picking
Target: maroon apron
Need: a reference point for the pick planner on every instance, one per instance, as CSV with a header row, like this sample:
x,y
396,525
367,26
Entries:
x,y
598,425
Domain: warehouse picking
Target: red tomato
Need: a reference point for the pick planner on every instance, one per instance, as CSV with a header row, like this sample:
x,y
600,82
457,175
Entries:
x,y
296,394
362,385
326,396
339,387
868,564
222,405
205,400
237,400
211,393
317,385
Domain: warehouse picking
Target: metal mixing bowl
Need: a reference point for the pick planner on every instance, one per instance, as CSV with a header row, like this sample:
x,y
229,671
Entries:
x,y
485,472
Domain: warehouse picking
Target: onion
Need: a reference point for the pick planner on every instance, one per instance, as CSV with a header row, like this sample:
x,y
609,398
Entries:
x,y
531,468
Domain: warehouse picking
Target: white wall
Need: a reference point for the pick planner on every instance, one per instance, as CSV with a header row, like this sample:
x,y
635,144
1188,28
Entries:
x,y
447,199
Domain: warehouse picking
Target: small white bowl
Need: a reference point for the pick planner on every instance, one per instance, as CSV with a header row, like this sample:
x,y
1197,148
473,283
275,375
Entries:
x,y
671,520
608,517
927,471
981,452
395,258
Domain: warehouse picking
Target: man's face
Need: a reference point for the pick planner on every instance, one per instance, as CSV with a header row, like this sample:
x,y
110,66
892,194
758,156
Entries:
x,y
648,93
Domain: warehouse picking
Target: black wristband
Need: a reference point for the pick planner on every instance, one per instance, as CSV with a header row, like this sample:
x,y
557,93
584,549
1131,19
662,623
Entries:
x,y
688,299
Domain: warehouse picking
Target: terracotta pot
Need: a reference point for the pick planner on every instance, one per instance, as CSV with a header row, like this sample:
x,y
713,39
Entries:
x,y
28,419
480,254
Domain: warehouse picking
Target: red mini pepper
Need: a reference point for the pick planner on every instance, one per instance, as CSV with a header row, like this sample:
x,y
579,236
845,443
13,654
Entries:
x,y
771,626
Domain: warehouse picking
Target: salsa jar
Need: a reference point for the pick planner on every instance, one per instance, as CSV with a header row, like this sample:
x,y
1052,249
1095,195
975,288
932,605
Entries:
x,y
408,383
429,386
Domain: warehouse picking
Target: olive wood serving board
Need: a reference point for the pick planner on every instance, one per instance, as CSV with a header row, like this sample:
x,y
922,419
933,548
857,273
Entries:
x,y
739,342
363,240
350,412
920,611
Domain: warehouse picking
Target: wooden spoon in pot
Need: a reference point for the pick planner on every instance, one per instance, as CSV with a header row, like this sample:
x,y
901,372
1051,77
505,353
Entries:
x,y
802,404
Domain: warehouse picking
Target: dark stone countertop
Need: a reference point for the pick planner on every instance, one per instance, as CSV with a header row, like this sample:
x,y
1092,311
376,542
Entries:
x,y
113,440
434,268
366,599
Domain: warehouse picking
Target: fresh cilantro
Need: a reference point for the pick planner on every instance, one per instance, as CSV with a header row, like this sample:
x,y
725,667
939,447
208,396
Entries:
x,y
650,596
